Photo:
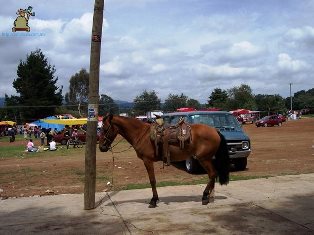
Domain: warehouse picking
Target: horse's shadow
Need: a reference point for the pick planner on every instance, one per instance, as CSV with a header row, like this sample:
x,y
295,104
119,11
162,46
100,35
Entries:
x,y
108,200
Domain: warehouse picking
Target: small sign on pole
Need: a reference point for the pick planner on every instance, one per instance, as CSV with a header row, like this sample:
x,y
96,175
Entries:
x,y
92,112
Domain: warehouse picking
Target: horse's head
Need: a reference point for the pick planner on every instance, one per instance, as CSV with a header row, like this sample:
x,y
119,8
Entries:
x,y
107,134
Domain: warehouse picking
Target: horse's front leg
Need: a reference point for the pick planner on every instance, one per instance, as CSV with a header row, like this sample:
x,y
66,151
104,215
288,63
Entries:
x,y
151,174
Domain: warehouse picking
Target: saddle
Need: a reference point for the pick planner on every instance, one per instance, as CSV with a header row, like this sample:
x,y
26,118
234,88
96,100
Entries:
x,y
163,135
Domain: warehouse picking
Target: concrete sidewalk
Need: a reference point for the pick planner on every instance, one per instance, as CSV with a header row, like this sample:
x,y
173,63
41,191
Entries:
x,y
278,205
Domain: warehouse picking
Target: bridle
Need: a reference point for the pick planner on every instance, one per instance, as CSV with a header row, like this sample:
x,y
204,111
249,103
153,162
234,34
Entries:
x,y
107,141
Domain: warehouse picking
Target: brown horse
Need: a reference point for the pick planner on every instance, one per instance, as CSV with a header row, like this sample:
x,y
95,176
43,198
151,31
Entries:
x,y
206,143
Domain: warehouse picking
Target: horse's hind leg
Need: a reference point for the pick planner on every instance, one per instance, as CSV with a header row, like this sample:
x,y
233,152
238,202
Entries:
x,y
152,179
209,190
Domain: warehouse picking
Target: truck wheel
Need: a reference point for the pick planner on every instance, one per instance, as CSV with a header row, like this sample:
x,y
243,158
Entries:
x,y
191,165
240,164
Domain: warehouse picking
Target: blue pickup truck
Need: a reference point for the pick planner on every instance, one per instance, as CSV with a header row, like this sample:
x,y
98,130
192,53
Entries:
x,y
239,144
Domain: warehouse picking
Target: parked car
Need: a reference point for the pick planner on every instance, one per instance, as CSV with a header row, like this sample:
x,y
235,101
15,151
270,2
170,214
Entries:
x,y
282,117
272,120
62,138
238,142
240,119
247,118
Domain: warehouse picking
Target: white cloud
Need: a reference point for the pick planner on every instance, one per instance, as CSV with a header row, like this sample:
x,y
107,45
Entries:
x,y
162,51
222,71
170,45
301,33
244,49
128,41
53,25
6,23
157,68
287,64
137,57
113,68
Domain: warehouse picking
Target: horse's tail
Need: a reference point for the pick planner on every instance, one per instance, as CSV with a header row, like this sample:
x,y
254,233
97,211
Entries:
x,y
222,161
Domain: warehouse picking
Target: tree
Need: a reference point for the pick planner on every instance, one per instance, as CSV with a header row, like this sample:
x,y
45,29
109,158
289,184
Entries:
x,y
37,87
241,97
192,103
174,102
270,103
145,102
303,99
107,105
78,89
218,99
9,112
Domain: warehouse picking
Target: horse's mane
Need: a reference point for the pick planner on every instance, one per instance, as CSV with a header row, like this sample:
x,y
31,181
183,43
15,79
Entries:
x,y
121,120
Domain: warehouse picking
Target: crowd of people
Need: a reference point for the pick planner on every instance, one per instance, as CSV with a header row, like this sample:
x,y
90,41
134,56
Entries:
x,y
46,137
10,131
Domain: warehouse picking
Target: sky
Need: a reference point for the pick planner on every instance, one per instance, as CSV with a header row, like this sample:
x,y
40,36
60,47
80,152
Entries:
x,y
168,46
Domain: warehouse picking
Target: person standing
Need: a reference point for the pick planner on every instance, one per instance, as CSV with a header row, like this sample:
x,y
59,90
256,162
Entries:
x,y
11,134
25,132
74,137
49,136
42,137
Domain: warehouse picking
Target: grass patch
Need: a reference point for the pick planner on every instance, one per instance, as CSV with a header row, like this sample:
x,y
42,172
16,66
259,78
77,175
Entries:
x,y
12,151
79,173
22,174
247,177
7,138
308,116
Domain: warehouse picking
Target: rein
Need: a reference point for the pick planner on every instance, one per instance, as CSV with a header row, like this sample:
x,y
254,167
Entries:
x,y
140,138
111,147
136,143
111,184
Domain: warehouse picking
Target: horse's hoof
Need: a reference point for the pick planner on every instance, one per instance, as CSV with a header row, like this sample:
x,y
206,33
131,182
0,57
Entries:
x,y
208,200
152,206
153,203
205,201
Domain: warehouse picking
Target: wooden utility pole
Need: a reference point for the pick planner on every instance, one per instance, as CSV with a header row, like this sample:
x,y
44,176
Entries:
x,y
93,101
290,97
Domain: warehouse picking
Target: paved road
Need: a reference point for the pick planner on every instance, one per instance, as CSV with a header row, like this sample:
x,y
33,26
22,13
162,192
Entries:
x,y
278,205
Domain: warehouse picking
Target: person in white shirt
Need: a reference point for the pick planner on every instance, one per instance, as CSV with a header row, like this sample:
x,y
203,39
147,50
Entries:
x,y
52,145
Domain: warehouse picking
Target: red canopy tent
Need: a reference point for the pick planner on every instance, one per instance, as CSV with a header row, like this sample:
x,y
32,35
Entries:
x,y
240,111
186,109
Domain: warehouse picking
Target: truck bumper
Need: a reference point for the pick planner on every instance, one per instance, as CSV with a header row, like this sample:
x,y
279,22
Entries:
x,y
240,154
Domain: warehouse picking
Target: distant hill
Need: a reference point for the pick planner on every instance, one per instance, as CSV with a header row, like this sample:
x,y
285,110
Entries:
x,y
124,104
120,103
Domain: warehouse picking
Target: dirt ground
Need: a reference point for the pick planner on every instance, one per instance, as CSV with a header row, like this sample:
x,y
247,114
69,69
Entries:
x,y
288,149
